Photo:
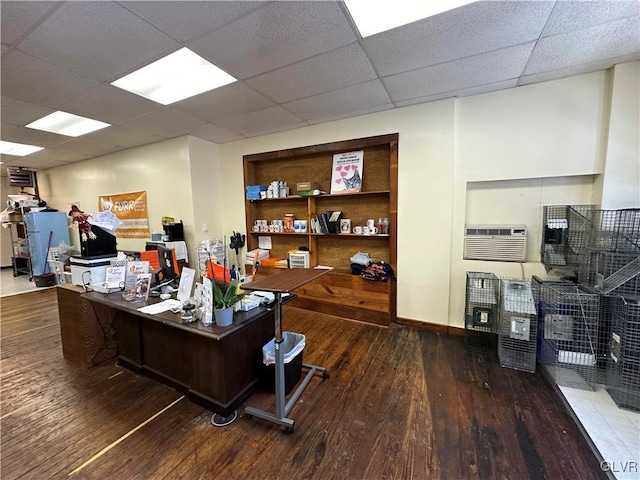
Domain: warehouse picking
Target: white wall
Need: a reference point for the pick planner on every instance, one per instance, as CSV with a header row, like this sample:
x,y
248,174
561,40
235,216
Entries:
x,y
161,169
622,175
498,156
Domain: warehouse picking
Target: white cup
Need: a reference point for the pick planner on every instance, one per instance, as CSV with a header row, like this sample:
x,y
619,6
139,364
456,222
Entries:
x,y
357,229
371,223
369,230
256,228
303,226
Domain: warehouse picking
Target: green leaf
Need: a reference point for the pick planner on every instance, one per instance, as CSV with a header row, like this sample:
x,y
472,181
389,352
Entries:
x,y
227,298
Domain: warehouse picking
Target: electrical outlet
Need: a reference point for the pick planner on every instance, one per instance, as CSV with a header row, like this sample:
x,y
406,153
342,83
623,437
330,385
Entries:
x,y
205,227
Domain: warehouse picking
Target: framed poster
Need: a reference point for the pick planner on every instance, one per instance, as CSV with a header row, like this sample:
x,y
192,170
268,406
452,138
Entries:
x,y
346,175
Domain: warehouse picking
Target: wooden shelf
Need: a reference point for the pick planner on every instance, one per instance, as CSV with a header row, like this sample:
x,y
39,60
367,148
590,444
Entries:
x,y
378,199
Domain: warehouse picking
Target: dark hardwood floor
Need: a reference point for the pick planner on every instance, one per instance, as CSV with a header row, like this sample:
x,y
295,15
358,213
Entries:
x,y
400,403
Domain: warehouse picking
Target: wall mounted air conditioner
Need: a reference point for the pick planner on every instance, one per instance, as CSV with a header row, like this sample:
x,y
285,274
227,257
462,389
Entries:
x,y
503,243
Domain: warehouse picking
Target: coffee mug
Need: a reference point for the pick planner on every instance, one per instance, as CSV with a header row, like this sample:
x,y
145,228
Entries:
x,y
369,230
371,223
345,225
357,229
256,228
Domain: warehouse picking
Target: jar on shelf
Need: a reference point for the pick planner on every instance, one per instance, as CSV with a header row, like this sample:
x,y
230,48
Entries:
x,y
288,223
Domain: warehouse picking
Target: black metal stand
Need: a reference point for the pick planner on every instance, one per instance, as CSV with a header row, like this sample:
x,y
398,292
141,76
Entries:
x,y
278,284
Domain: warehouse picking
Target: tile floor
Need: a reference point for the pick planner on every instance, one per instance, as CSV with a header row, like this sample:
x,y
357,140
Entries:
x,y
614,431
10,285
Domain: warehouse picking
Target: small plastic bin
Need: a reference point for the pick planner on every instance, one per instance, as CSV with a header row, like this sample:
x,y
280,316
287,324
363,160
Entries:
x,y
292,348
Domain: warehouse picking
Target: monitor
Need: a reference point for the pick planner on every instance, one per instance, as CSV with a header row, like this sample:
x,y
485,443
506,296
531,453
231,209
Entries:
x,y
167,264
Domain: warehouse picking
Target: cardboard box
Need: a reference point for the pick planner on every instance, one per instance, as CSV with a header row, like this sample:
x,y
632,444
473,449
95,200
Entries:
x,y
302,186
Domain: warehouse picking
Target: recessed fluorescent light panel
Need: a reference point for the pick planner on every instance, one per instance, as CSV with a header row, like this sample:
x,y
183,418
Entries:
x,y
375,16
64,123
18,149
177,76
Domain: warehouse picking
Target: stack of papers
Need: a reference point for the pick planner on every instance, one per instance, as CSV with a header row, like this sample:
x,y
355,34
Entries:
x,y
161,307
262,254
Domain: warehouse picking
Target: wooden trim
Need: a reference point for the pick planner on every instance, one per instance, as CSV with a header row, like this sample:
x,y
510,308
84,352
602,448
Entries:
x,y
433,327
323,148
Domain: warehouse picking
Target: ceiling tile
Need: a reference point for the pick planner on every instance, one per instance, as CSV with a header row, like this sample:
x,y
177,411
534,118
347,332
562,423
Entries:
x,y
121,136
60,155
358,113
21,113
487,26
577,69
98,39
214,133
90,146
37,163
491,67
31,136
166,122
277,35
573,15
19,17
339,68
463,92
355,98
613,39
110,104
35,81
223,102
187,20
5,128
255,123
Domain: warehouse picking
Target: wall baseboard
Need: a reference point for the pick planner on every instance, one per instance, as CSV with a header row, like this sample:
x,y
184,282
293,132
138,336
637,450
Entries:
x,y
434,327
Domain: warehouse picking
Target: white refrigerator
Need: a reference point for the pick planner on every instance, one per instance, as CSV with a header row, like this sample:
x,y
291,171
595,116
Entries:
x,y
41,226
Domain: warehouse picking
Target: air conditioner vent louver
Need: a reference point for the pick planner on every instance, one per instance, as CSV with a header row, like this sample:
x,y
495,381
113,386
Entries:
x,y
504,243
20,177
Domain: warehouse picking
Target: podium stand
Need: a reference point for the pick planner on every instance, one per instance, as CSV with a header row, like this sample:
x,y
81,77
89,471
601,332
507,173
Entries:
x,y
279,284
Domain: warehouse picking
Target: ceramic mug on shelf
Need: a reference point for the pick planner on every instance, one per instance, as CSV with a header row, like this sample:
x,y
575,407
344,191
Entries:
x,y
371,223
357,229
369,230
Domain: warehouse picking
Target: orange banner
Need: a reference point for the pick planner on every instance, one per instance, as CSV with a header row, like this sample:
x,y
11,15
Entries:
x,y
131,209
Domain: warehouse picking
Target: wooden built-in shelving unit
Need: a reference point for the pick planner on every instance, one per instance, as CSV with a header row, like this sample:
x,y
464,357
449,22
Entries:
x,y
338,293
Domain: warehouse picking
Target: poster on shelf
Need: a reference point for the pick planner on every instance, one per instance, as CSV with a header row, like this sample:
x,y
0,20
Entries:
x,y
346,175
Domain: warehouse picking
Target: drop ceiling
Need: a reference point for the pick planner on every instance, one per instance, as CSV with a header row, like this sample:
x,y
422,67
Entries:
x,y
298,63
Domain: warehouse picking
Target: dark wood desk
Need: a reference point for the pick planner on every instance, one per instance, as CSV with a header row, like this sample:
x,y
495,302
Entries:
x,y
215,367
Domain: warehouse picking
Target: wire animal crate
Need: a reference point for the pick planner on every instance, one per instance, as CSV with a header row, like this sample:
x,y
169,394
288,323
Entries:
x,y
481,313
623,373
569,333
566,234
615,230
518,325
611,273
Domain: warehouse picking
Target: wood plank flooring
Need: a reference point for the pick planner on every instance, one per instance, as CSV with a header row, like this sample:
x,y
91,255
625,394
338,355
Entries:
x,y
400,403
